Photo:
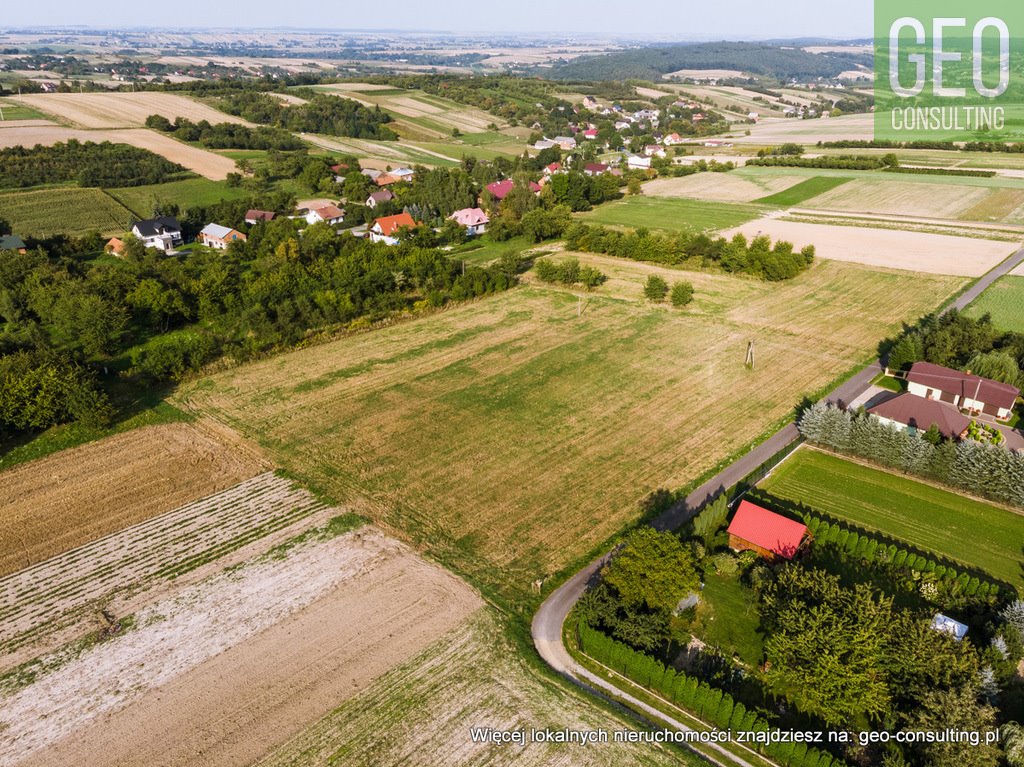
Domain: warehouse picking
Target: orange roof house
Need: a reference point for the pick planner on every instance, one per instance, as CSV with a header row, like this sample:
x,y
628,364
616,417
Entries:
x,y
385,229
754,528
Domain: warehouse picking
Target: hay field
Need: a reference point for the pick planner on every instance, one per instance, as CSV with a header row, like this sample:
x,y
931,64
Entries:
x,y
420,714
1004,300
900,198
123,110
673,213
212,166
63,210
509,437
723,187
69,498
890,248
779,130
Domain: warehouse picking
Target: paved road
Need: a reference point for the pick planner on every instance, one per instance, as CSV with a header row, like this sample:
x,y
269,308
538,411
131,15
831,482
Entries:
x,y
547,623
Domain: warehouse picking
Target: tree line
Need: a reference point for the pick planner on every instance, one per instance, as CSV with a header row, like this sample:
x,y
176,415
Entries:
x,y
225,135
757,257
322,113
87,164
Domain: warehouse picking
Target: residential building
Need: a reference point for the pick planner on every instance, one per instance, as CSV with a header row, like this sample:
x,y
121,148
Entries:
x,y
944,623
376,198
161,232
965,391
754,528
253,216
386,229
473,219
499,189
590,134
595,168
326,214
672,139
114,245
565,143
655,150
12,242
917,414
635,162
219,237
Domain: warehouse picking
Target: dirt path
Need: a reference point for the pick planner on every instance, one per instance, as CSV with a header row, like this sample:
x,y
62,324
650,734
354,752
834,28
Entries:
x,y
198,684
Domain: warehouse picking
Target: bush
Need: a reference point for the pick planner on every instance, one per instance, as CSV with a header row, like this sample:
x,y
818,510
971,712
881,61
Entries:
x,y
682,293
655,288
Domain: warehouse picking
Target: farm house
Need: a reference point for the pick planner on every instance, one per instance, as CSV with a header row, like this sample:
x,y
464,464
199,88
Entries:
x,y
754,528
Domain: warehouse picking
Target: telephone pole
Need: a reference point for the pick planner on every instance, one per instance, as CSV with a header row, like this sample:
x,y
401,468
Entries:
x,y
750,355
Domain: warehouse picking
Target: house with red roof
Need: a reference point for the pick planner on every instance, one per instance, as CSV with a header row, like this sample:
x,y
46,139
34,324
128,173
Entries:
x,y
327,214
473,219
590,134
773,536
555,167
918,414
500,189
386,229
595,168
965,391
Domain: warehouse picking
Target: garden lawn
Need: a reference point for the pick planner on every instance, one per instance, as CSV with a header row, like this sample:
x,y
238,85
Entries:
x,y
1004,300
674,214
965,530
727,618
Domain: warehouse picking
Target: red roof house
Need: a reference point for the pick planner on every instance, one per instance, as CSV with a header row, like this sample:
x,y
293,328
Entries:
x,y
386,229
501,188
771,535
965,391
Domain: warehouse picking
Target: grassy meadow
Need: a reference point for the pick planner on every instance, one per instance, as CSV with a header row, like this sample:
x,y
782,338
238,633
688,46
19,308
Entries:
x,y
674,214
1004,300
185,194
509,436
920,514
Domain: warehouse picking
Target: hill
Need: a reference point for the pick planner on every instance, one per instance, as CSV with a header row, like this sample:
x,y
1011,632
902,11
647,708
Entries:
x,y
766,60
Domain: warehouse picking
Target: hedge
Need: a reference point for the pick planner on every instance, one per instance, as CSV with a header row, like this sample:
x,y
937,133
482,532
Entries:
x,y
710,704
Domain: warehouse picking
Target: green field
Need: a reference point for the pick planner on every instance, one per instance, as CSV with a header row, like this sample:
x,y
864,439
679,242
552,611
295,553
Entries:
x,y
1004,300
968,531
674,214
12,110
63,210
805,190
185,194
727,618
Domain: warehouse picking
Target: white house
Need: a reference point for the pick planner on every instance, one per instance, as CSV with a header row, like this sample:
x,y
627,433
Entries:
x,y
963,390
162,232
327,214
219,237
635,162
386,229
566,143
473,219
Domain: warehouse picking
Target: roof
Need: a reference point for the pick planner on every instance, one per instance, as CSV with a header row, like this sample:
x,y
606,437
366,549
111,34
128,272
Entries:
x,y
328,212
382,196
11,242
963,384
216,230
470,217
259,215
554,166
501,188
152,227
390,224
766,529
921,413
595,167
956,629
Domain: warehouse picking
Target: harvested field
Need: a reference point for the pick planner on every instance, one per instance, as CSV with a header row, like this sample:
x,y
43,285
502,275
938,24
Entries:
x,y
70,498
421,714
725,187
779,130
208,164
893,249
123,110
31,213
476,431
900,198
239,663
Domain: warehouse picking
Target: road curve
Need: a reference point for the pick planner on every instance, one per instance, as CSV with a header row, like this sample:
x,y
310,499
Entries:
x,y
546,627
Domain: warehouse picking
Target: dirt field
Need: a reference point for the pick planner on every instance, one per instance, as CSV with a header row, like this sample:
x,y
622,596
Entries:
x,y
913,251
123,110
900,198
420,714
477,431
779,130
239,663
75,496
208,164
723,187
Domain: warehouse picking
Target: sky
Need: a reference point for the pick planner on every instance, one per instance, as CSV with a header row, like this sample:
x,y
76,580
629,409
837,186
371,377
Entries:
x,y
682,20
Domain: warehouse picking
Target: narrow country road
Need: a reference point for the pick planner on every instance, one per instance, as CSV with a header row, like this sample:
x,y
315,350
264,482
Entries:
x,y
547,623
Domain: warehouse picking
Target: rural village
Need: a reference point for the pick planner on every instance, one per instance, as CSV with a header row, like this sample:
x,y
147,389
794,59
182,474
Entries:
x,y
372,399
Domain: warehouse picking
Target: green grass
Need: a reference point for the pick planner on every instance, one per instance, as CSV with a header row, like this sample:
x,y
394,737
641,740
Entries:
x,y
805,190
727,618
14,111
674,214
63,210
186,194
962,529
1004,300
482,251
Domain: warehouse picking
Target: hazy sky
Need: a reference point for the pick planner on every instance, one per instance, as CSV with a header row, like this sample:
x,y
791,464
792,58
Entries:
x,y
687,20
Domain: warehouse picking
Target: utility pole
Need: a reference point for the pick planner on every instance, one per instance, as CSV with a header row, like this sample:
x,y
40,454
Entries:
x,y
750,355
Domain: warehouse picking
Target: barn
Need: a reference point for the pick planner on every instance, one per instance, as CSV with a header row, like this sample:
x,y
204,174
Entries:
x,y
771,535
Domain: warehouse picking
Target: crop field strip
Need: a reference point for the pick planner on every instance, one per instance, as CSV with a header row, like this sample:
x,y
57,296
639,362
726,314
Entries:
x,y
63,210
53,593
674,214
474,431
965,530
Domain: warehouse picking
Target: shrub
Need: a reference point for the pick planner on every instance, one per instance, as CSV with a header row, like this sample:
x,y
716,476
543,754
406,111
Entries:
x,y
682,293
655,289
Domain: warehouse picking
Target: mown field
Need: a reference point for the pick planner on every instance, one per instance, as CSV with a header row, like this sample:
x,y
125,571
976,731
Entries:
x,y
803,191
63,210
962,529
185,194
1004,300
673,214
14,110
421,713
509,437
